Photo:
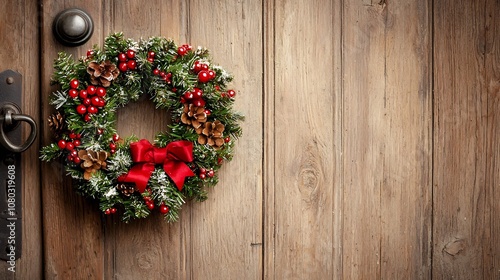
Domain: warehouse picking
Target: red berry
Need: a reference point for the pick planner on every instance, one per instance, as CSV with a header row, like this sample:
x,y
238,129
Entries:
x,y
188,95
210,173
188,47
74,83
181,51
77,160
107,212
147,199
203,170
101,92
122,57
61,144
92,110
70,146
204,66
199,102
162,74
78,136
70,158
217,87
231,93
211,74
156,71
112,210
81,109
74,153
83,94
183,100
95,100
90,53
130,54
150,59
72,135
77,142
87,118
112,151
100,131
203,176
207,112
219,161
91,90
151,54
86,101
197,66
122,66
164,209
227,139
116,137
112,146
197,92
73,93
150,205
131,64
203,76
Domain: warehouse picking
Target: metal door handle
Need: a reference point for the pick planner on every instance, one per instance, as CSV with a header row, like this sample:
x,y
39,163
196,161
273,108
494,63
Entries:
x,y
9,119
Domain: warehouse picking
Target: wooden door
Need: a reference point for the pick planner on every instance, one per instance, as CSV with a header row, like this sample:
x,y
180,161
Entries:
x,y
369,149
20,51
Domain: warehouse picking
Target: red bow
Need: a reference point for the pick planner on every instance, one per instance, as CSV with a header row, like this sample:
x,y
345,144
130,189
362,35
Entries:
x,y
173,157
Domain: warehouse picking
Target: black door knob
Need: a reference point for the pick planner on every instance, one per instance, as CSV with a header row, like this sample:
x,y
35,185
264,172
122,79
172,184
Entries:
x,y
73,27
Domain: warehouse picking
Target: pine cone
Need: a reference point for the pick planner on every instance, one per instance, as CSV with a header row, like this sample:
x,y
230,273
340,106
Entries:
x,y
211,133
56,122
102,74
126,189
92,161
193,115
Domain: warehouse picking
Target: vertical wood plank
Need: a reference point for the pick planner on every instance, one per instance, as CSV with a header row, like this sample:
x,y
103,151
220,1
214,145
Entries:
x,y
149,248
305,139
466,167
491,240
387,140
73,243
20,51
226,230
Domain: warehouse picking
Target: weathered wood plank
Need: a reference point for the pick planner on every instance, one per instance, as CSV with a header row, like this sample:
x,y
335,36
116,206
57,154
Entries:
x,y
73,241
466,167
226,230
387,140
20,49
148,248
304,140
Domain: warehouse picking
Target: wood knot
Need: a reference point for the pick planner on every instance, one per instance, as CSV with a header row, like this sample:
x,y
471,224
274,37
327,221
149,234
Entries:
x,y
310,172
454,247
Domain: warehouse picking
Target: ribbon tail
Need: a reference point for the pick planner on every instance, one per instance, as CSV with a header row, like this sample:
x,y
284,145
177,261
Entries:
x,y
177,171
139,174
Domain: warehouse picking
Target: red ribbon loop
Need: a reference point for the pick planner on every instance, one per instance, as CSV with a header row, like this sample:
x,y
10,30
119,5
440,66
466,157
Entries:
x,y
173,157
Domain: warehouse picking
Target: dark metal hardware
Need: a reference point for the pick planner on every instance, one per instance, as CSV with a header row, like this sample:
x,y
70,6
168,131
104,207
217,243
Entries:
x,y
73,27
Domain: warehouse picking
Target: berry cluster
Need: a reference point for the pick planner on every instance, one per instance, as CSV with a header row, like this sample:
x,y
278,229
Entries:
x,y
127,61
205,74
204,173
71,146
91,98
184,49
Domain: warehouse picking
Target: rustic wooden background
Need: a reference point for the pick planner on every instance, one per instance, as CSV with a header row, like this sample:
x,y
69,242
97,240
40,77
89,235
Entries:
x,y
369,149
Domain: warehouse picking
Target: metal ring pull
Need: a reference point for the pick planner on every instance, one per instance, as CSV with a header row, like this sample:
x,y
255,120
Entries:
x,y
10,119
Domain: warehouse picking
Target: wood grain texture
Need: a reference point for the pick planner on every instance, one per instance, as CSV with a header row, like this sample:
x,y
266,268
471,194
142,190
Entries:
x,y
387,163
73,243
20,50
226,230
466,207
304,117
148,248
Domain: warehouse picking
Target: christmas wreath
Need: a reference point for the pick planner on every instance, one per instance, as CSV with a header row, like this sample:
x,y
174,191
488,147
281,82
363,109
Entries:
x,y
133,177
